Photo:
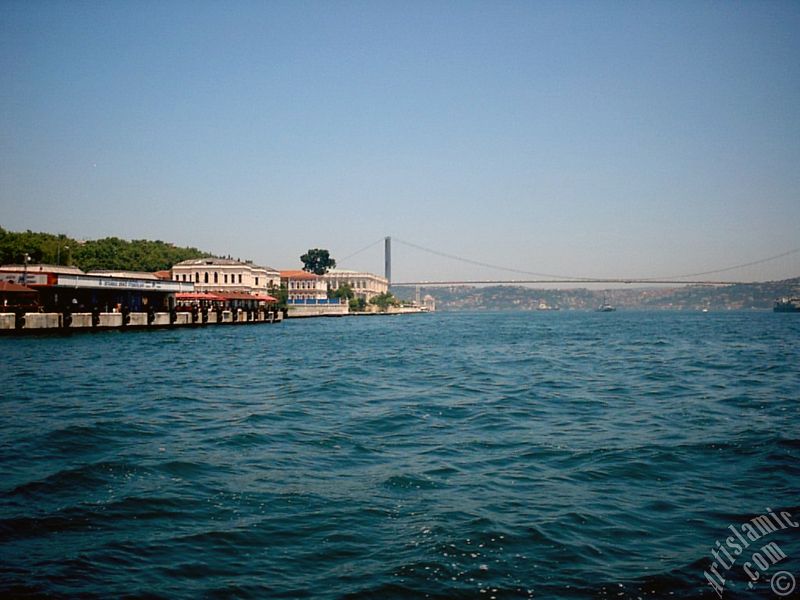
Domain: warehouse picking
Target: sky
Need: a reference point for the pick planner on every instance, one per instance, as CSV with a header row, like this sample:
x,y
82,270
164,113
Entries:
x,y
597,139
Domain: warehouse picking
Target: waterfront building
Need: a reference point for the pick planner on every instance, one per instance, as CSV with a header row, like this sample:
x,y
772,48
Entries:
x,y
14,296
58,289
62,288
18,273
226,275
364,285
304,286
307,296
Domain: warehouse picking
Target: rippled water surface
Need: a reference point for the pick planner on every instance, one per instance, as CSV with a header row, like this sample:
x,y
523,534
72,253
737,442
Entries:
x,y
544,455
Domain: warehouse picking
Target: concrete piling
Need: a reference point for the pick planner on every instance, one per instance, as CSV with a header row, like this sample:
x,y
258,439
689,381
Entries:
x,y
13,323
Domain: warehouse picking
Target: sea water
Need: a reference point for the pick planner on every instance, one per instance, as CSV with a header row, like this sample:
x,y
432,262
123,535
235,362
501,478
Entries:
x,y
460,455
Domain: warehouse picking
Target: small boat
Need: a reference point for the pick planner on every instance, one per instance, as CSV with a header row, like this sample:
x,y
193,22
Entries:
x,y
605,306
787,305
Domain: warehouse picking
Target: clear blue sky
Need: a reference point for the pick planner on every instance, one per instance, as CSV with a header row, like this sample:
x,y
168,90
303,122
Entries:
x,y
587,138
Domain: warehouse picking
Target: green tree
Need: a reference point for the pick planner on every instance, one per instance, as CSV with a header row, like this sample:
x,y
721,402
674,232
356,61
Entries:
x,y
317,261
384,301
137,255
40,247
343,292
107,253
357,305
281,293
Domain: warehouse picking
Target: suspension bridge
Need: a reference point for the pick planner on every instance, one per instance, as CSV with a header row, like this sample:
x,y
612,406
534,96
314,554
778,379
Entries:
x,y
533,278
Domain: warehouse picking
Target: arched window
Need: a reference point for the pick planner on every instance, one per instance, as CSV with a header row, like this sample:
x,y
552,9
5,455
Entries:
x,y
225,278
216,277
196,277
256,281
205,277
240,278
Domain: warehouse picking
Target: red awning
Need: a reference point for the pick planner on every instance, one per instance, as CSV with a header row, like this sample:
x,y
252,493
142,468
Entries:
x,y
246,296
9,287
223,297
199,296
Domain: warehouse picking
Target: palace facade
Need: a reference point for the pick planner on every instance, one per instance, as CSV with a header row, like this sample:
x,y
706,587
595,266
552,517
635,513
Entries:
x,y
226,275
364,285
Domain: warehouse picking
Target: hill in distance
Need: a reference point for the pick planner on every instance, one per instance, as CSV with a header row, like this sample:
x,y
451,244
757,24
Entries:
x,y
744,296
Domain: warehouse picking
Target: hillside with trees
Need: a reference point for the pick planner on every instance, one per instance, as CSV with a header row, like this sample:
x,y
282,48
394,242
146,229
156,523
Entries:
x,y
107,253
740,296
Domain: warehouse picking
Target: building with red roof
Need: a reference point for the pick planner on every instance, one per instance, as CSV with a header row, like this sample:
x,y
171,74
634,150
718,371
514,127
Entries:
x,y
302,285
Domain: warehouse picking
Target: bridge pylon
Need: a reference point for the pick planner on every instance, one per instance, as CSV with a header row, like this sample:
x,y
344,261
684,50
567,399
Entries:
x,y
387,258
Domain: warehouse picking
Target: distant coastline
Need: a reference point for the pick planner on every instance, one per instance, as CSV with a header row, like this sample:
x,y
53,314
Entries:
x,y
744,296
147,255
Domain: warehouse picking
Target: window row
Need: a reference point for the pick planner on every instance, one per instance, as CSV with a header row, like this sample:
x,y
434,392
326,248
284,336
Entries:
x,y
215,276
359,284
303,285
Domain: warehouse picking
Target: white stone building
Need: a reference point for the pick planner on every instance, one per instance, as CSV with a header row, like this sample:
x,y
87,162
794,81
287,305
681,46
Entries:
x,y
226,275
302,285
365,285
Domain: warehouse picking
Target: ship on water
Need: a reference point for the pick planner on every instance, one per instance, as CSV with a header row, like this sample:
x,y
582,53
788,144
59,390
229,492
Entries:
x,y
605,306
787,305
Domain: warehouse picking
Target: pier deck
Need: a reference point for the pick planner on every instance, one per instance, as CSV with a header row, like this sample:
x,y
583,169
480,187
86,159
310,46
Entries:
x,y
36,322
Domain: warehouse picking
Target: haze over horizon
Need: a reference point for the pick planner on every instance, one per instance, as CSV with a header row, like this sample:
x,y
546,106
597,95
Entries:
x,y
594,139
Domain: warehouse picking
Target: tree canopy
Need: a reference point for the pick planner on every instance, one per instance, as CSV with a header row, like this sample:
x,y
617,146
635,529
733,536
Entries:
x,y
317,261
344,291
281,293
107,253
384,301
357,304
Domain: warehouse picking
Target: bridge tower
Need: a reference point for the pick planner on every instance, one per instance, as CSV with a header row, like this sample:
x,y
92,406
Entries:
x,y
387,258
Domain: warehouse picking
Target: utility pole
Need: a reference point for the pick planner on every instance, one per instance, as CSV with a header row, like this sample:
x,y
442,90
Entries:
x,y
58,254
25,258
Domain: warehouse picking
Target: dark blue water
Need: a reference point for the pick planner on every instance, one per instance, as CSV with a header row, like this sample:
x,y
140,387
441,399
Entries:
x,y
544,455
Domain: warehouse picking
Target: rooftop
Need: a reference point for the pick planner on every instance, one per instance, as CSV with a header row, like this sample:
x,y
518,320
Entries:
x,y
64,269
211,260
351,273
298,275
123,274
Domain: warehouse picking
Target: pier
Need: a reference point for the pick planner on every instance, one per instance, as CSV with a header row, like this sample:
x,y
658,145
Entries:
x,y
58,299
41,322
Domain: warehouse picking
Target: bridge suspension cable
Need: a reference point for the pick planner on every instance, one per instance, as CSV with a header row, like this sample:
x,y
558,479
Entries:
x,y
578,279
357,252
734,267
487,265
